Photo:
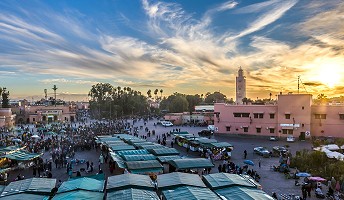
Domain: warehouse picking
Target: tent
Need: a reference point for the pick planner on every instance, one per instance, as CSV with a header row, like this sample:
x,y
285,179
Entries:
x,y
126,181
139,157
191,163
221,145
164,151
84,183
177,179
36,186
137,167
119,160
153,146
138,144
188,192
132,152
221,180
10,149
79,195
121,147
164,159
243,193
22,155
132,194
25,196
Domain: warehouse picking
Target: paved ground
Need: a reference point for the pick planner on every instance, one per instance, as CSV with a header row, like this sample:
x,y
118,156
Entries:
x,y
271,181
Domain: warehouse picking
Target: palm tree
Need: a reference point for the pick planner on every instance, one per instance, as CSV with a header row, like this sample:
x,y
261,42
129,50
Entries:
x,y
161,91
149,93
156,93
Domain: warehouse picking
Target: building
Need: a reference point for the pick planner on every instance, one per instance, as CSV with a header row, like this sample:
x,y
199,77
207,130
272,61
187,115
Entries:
x,y
7,119
240,83
292,115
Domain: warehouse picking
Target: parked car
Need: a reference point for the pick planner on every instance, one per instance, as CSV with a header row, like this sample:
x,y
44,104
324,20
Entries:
x,y
166,123
273,138
290,139
205,133
262,151
279,150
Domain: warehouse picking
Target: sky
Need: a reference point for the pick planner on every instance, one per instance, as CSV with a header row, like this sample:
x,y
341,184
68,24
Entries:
x,y
186,46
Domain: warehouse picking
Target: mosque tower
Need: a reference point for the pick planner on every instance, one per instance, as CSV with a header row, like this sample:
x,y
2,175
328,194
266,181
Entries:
x,y
240,86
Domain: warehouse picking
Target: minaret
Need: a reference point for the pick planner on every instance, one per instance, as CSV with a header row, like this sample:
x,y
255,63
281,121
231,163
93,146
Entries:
x,y
240,86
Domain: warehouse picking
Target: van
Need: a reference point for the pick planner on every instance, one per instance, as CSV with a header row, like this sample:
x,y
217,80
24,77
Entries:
x,y
290,138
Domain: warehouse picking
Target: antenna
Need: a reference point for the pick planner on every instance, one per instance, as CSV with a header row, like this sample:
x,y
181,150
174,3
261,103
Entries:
x,y
303,85
298,84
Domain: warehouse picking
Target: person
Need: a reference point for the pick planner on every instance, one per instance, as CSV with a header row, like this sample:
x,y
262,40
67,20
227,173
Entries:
x,y
245,154
78,174
259,162
274,195
319,193
172,143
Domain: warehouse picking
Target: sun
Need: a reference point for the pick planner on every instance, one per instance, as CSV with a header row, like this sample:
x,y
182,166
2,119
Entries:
x,y
329,74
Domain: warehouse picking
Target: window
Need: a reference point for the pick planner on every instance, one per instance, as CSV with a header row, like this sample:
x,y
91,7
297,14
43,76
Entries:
x,y
320,116
341,116
237,114
261,115
272,116
303,125
258,115
287,116
33,119
241,114
228,128
272,130
245,129
287,131
259,130
255,115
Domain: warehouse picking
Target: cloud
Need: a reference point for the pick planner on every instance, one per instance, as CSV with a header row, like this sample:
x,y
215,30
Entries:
x,y
66,81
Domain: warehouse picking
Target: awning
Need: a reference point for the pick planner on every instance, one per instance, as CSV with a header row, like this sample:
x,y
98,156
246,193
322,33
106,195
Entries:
x,y
79,194
144,166
138,144
84,183
164,159
221,180
164,151
118,159
132,194
243,193
139,157
177,179
132,152
155,146
39,186
22,155
125,181
221,144
122,147
188,192
190,163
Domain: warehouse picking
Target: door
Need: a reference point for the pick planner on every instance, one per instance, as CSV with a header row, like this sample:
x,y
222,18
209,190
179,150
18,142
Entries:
x,y
302,136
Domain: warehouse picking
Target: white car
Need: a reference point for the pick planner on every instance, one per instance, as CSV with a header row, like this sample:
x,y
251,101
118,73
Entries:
x,y
290,139
166,123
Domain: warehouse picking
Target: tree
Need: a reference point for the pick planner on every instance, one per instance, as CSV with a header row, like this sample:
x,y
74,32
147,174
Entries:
x,y
5,98
321,99
156,93
175,103
216,97
193,101
149,93
161,91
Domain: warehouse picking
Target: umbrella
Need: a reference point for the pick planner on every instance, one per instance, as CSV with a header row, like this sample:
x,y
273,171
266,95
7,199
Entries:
x,y
303,174
317,178
63,131
50,133
16,140
35,136
249,162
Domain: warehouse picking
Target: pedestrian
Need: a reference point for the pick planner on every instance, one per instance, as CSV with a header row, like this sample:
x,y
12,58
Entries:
x,y
245,154
34,171
259,163
172,143
220,168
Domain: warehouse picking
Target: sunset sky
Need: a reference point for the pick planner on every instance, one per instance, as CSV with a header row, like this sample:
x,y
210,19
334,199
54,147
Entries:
x,y
186,46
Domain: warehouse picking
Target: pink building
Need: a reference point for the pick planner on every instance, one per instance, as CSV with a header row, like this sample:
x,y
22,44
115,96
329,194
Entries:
x,y
293,115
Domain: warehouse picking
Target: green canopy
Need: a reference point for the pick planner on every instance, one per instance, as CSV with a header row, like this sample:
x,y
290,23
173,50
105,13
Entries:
x,y
164,159
221,180
79,195
132,194
126,137
121,147
125,181
25,196
155,146
22,155
10,149
41,129
177,179
99,177
221,144
139,157
190,193
164,151
139,144
119,160
144,166
132,152
191,163
50,133
181,133
39,186
134,140
206,141
84,183
243,193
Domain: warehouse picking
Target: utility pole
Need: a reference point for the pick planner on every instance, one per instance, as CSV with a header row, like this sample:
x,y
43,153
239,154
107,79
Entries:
x,y
55,88
298,84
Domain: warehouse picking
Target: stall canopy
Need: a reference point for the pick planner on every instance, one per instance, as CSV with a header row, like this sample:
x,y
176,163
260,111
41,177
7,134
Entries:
x,y
133,141
138,144
22,155
206,141
120,162
132,194
139,157
137,167
132,152
84,183
221,180
164,159
9,149
221,145
164,151
190,163
177,179
35,186
181,133
126,181
188,192
78,194
154,146
243,193
121,147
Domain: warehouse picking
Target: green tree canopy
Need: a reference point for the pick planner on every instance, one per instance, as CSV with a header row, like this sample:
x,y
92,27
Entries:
x,y
175,103
216,97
